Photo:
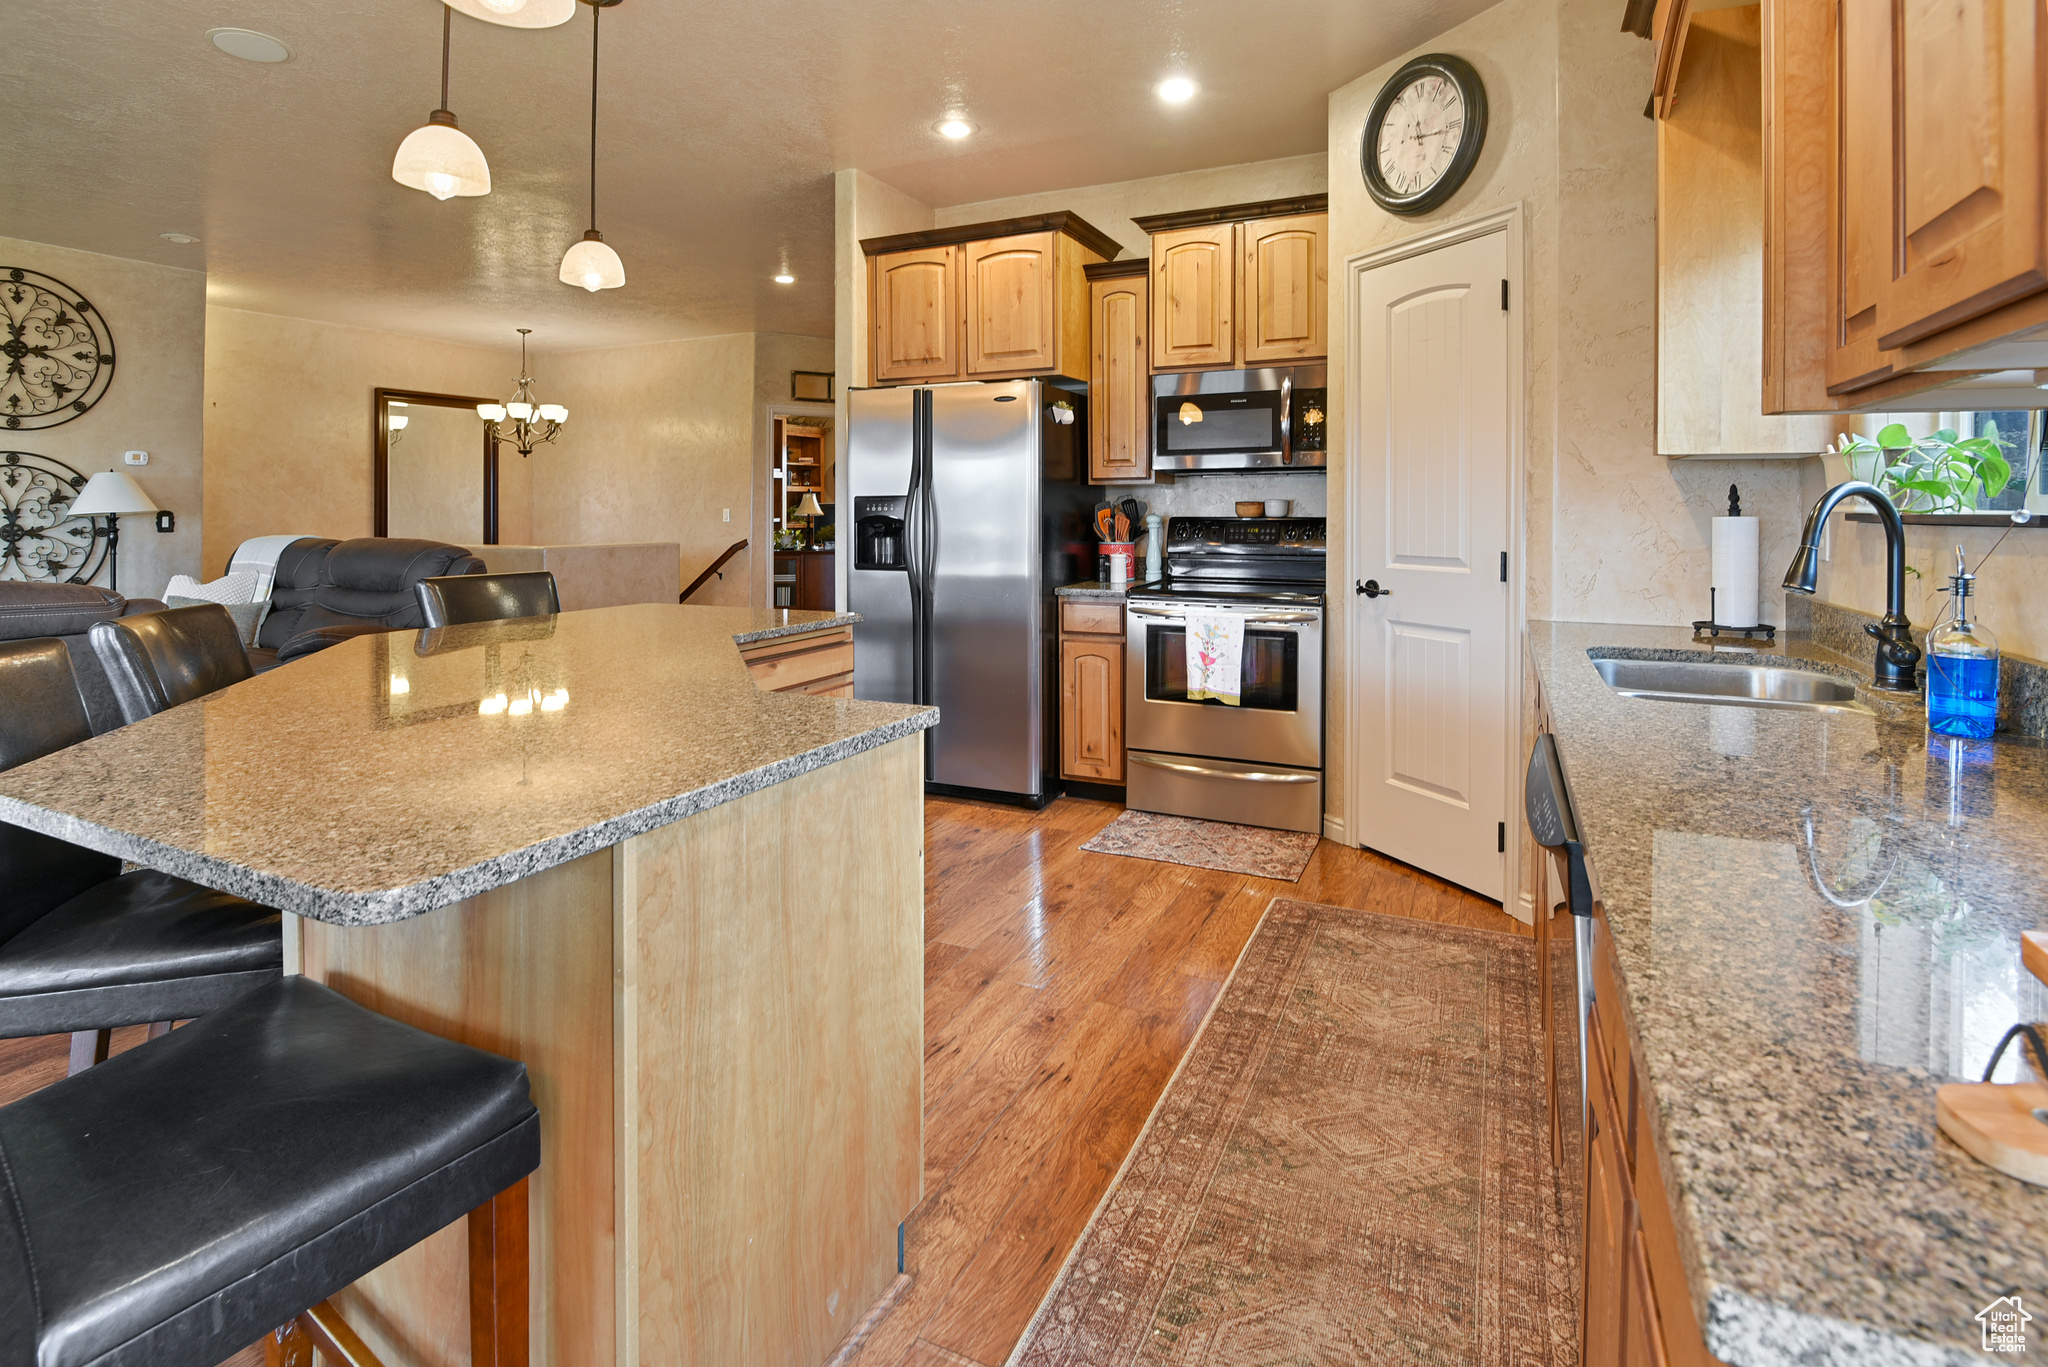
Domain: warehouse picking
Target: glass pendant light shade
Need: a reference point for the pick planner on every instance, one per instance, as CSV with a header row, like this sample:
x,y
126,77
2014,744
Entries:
x,y
517,13
441,159
491,412
553,412
592,264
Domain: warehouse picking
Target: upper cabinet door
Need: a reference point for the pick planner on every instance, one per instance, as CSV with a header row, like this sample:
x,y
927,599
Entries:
x,y
1968,83
1119,399
1010,298
1194,297
915,305
1283,289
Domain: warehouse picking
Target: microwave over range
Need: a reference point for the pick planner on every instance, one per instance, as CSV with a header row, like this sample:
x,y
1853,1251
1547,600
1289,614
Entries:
x,y
1268,419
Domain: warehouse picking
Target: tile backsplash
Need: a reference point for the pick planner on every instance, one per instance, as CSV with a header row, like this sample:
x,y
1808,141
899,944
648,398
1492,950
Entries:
x,y
1214,495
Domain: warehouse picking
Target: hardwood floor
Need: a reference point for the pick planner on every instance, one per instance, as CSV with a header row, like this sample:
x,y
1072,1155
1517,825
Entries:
x,y
1061,989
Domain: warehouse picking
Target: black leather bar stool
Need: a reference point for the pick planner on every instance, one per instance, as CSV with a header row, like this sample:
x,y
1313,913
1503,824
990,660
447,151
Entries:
x,y
452,599
161,659
196,1193
83,946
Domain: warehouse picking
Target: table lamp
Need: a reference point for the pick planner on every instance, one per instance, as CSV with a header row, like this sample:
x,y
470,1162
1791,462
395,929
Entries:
x,y
110,494
809,510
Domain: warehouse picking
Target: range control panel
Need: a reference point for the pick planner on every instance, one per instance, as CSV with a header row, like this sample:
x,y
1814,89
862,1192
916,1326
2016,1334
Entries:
x,y
1302,533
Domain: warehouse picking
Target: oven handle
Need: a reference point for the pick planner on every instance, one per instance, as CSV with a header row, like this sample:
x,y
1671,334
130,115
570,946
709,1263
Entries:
x,y
1263,619
1251,775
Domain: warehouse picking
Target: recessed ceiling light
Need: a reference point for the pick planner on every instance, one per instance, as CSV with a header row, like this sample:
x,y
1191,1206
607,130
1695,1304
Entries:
x,y
785,279
248,44
179,238
954,128
1177,90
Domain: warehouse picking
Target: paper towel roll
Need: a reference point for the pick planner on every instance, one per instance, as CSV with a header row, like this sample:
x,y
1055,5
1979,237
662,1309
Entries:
x,y
1735,596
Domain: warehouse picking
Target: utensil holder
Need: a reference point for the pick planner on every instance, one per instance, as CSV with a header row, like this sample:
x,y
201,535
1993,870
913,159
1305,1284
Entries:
x,y
1122,557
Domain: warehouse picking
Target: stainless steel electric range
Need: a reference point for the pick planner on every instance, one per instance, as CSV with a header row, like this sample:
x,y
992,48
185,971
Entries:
x,y
1259,762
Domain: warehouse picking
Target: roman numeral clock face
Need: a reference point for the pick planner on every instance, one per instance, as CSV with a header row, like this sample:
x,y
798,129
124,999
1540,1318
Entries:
x,y
1423,134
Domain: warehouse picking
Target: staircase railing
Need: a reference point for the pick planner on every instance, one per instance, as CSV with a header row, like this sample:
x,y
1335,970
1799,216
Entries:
x,y
730,551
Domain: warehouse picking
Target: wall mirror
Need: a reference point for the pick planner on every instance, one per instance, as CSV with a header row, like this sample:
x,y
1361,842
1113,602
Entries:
x,y
436,474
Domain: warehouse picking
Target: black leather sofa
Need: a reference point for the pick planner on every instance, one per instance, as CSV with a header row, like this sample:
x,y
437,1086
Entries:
x,y
327,591
68,612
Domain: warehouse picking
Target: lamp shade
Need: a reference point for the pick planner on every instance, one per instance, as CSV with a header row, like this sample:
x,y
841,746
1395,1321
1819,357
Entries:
x,y
517,13
441,159
592,264
491,412
808,507
110,491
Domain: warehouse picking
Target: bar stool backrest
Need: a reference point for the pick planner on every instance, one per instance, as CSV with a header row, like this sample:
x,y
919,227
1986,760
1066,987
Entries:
x,y
160,659
42,714
452,599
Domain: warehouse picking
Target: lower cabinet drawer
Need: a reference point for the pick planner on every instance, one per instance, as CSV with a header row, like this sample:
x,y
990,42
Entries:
x,y
819,662
1091,618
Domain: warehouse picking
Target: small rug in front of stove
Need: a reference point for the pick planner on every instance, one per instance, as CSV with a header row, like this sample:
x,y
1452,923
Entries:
x,y
1252,850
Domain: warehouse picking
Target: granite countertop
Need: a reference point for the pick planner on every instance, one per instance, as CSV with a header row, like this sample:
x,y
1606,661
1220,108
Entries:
x,y
1089,588
366,784
1816,920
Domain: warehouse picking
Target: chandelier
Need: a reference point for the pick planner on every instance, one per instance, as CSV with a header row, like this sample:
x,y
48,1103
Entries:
x,y
531,423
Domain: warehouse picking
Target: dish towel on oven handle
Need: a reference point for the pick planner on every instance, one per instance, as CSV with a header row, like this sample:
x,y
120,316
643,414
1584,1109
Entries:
x,y
1215,656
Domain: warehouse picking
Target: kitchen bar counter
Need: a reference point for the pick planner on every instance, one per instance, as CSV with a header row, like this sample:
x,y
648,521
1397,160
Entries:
x,y
1816,922
692,907
369,785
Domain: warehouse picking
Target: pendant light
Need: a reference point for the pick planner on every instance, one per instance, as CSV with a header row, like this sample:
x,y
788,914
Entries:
x,y
438,157
517,13
592,263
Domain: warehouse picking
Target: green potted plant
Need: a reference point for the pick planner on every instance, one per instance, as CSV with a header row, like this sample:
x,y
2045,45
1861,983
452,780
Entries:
x,y
1937,474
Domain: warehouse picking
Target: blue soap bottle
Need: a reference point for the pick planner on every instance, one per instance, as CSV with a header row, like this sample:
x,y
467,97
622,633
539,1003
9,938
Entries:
x,y
1962,667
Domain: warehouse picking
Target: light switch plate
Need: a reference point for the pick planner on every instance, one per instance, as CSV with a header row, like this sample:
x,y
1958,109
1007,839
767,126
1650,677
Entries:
x,y
166,520
135,457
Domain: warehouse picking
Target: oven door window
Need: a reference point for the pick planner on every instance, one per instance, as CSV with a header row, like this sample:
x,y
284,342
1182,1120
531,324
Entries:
x,y
1269,677
1197,424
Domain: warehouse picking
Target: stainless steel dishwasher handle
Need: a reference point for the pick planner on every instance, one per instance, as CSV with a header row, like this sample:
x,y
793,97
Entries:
x,y
1186,767
1263,619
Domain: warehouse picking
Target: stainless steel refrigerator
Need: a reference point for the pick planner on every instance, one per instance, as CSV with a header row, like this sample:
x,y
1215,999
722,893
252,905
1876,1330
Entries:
x,y
969,509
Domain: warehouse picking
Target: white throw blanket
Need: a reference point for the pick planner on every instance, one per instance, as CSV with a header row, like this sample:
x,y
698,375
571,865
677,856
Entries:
x,y
1215,655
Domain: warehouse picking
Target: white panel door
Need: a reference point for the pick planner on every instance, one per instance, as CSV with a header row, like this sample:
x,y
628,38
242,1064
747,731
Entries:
x,y
1430,517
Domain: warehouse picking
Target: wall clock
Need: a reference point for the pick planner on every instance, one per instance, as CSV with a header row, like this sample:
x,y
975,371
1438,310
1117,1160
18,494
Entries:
x,y
59,352
1424,133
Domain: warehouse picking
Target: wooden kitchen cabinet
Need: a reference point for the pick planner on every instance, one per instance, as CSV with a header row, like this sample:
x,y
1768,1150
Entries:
x,y
915,313
1905,169
1092,691
1194,297
1119,374
1638,1306
1240,285
982,301
1283,289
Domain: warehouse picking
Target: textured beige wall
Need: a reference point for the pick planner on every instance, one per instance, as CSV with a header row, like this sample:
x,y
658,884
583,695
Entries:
x,y
158,318
1112,207
288,418
659,443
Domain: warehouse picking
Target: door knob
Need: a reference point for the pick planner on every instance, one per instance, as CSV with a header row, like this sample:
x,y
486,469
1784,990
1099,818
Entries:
x,y
1371,588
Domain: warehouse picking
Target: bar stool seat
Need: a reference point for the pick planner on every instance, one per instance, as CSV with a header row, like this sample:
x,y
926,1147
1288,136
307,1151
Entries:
x,y
178,1202
136,949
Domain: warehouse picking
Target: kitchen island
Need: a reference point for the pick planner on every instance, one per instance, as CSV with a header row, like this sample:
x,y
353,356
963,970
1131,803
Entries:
x,y
693,907
1807,923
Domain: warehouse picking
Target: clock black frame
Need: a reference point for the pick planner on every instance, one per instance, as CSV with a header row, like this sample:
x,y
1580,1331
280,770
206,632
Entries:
x,y
1458,72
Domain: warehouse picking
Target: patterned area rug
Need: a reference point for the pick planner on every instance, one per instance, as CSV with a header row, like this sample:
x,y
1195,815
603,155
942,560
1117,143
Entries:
x,y
1207,844
1351,1166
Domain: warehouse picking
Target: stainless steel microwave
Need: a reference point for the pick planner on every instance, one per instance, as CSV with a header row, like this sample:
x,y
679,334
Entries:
x,y
1240,419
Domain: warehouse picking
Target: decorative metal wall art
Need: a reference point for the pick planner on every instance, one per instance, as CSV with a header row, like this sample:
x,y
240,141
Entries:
x,y
59,350
40,540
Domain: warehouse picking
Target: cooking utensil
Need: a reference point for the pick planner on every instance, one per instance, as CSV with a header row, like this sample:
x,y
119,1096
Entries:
x,y
1123,528
1130,509
1103,530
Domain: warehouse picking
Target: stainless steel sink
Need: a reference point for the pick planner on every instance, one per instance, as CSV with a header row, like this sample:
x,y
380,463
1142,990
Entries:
x,y
1730,685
